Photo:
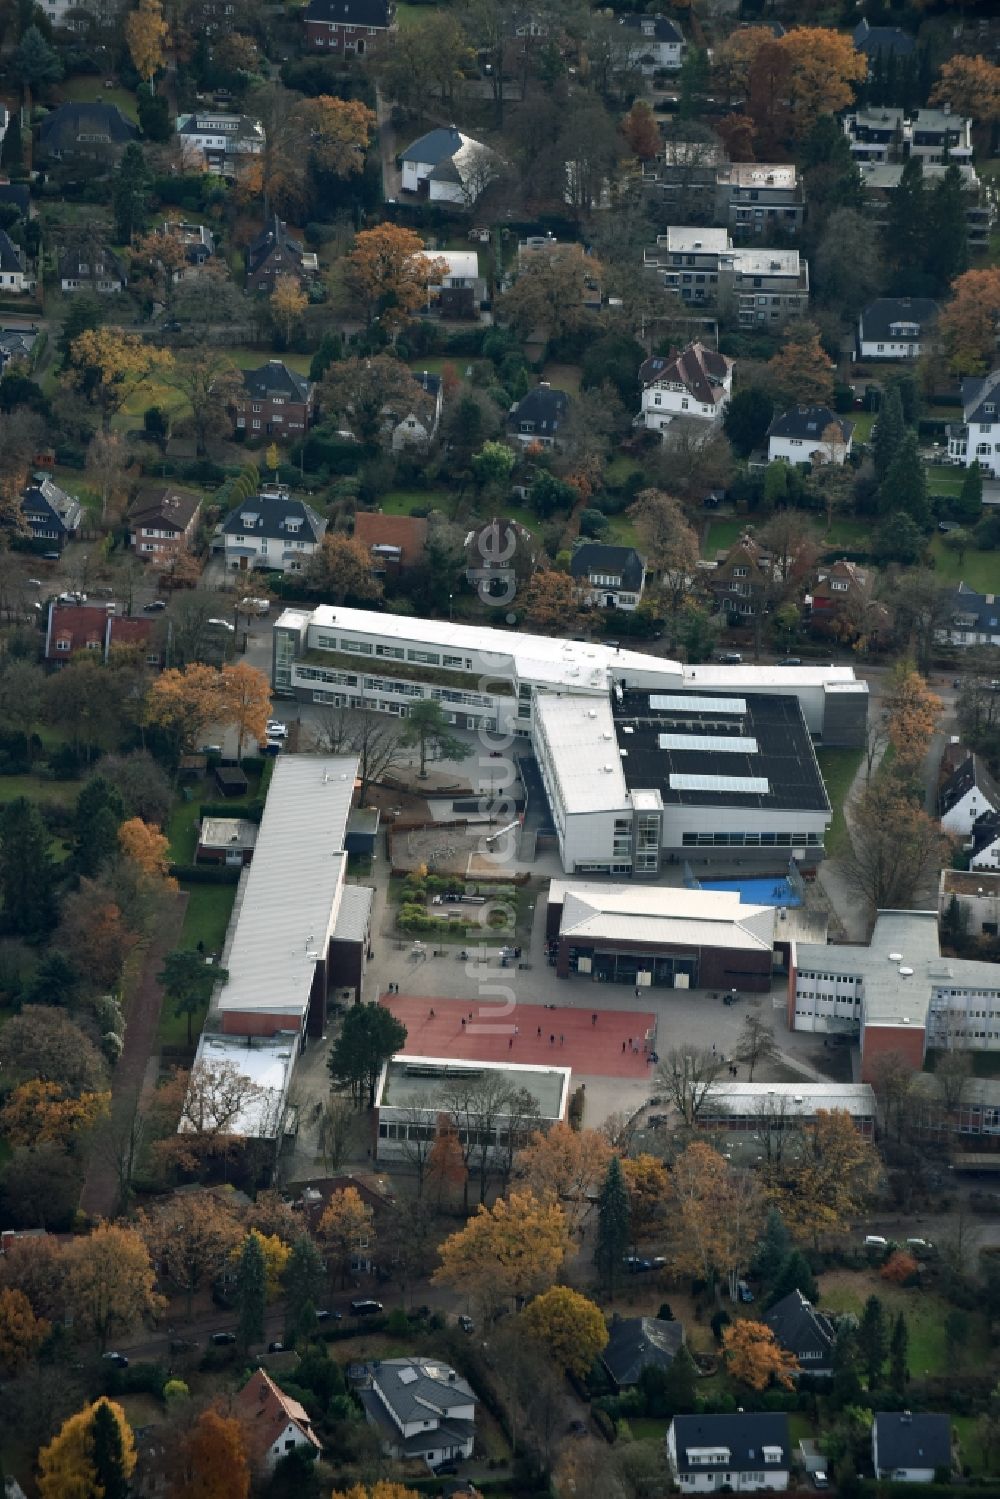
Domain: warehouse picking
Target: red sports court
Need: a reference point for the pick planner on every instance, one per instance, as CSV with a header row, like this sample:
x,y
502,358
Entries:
x,y
616,1045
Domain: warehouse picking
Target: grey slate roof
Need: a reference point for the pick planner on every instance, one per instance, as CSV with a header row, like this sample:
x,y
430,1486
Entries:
x,y
983,608
271,511
879,316
73,125
981,398
808,422
800,1329
16,194
637,1343
80,265
43,496
971,773
421,1388
918,1440
545,407
596,557
11,255
874,39
275,379
744,1434
350,12
985,830
274,235
436,146
664,30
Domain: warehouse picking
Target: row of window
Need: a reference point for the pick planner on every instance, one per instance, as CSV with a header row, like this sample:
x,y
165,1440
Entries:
x,y
750,840
393,653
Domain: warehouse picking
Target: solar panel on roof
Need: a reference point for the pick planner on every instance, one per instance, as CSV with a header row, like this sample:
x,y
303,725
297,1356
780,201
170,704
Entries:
x,y
731,743
747,785
680,702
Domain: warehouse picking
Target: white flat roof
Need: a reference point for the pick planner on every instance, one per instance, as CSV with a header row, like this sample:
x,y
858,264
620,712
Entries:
x,y
857,1099
544,659
268,1063
580,732
662,914
762,262
460,262
425,1082
684,237
291,897
227,832
765,678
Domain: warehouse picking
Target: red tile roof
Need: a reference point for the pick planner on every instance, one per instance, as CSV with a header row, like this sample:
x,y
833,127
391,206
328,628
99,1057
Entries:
x,y
408,532
129,631
265,1411
699,370
81,626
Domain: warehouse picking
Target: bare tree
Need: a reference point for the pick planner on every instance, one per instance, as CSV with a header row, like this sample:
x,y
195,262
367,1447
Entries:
x,y
375,738
893,846
334,1131
119,1140
952,1072
482,1107
620,1129
893,1078
417,1141
686,1075
756,1042
777,1128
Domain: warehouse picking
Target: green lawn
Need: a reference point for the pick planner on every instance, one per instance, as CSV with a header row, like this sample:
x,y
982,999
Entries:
x,y
925,1314
863,423
852,535
205,921
621,531
90,87
619,469
563,377
981,570
38,790
973,1456
942,478
405,501
720,536
182,831
410,15
838,768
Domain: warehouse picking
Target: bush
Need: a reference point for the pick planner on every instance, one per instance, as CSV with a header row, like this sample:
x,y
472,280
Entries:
x,y
207,874
137,1379
720,1321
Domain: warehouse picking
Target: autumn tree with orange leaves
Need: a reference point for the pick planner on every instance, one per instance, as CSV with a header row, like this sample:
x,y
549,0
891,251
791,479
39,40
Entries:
x,y
911,713
567,1165
733,59
148,848
21,1332
640,129
346,1231
68,1465
286,306
246,698
389,272
110,1282
343,568
516,1248
184,704
971,85
553,603
146,34
823,67
49,1113
93,927
191,1238
339,133
212,1462
384,1488
551,290
801,372
754,1357
968,323
107,365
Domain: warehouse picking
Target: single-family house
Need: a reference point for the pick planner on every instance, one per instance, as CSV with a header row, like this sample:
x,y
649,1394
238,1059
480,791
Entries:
x,y
655,44
694,383
965,795
985,853
975,619
272,1422
500,557
447,166
538,416
198,242
273,531
421,1408
460,290
163,520
809,434
218,143
53,516
911,1447
896,327
274,400
396,542
800,1329
741,578
15,344
978,441
94,131
637,1343
740,1452
75,628
96,270
882,41
275,253
844,588
612,577
352,27
416,426
14,277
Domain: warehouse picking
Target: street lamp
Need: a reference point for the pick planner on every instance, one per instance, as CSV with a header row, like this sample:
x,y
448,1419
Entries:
x,y
450,598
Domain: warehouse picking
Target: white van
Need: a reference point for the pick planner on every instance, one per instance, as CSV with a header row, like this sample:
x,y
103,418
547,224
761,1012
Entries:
x,y
255,606
876,1241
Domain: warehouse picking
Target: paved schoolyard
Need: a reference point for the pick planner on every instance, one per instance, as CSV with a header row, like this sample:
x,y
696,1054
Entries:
x,y
611,1046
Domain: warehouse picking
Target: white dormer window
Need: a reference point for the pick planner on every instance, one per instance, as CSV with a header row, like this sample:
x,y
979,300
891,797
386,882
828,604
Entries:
x,y
249,519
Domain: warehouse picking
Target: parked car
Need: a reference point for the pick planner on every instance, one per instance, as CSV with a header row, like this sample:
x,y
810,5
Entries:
x,y
34,582
271,747
743,1291
327,1316
820,1480
182,1345
210,749
635,1264
223,624
466,1323
276,729
155,606
730,658
276,1347
876,1241
118,1359
72,597
365,1307
791,661
51,556
223,1339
